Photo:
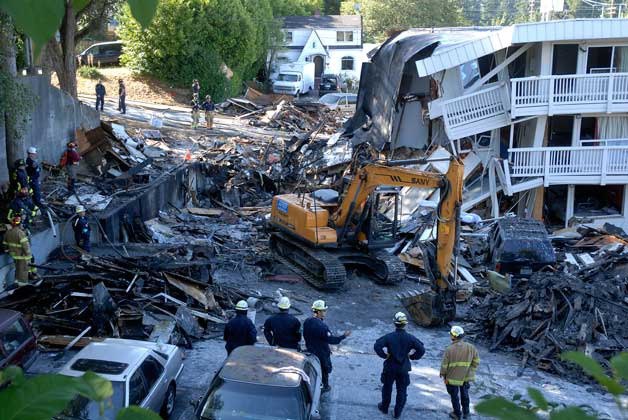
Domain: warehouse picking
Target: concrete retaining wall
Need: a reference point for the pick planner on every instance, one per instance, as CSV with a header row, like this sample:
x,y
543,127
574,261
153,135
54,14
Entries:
x,y
55,118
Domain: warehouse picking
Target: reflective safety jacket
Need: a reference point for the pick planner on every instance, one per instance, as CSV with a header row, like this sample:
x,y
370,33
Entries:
x,y
460,361
16,242
19,180
33,170
24,207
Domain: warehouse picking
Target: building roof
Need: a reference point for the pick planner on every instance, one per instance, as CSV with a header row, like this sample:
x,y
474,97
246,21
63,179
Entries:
x,y
322,22
451,52
264,366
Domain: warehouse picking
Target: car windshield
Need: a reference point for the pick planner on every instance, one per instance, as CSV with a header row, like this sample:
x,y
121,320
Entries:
x,y
329,99
83,408
288,77
236,400
329,79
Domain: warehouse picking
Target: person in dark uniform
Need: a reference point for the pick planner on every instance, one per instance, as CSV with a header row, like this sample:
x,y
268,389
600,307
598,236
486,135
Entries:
x,y
82,230
240,330
196,90
318,337
34,171
283,329
100,95
23,206
19,177
401,347
121,96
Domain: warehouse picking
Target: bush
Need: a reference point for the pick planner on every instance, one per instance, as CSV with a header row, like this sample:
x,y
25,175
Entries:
x,y
87,72
191,39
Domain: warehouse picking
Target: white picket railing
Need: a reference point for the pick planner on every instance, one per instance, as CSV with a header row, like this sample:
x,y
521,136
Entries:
x,y
487,108
554,162
565,94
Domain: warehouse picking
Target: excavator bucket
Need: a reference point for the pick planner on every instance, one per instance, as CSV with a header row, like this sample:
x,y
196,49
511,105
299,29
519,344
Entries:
x,y
429,309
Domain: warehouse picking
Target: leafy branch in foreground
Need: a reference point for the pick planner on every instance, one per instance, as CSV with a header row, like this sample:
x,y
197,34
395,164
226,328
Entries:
x,y
524,409
43,397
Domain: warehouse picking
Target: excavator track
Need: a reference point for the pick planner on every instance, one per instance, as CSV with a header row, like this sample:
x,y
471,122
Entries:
x,y
395,269
317,266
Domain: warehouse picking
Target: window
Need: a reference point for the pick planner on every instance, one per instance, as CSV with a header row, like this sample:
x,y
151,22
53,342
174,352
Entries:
x,y
288,37
14,336
469,73
152,370
137,388
314,44
346,63
344,36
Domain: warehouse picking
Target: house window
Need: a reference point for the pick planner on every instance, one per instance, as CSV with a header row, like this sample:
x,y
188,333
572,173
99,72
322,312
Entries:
x,y
346,63
344,36
288,37
314,44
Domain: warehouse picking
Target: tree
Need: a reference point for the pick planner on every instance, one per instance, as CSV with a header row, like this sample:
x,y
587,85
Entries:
x,y
383,17
195,39
331,7
296,7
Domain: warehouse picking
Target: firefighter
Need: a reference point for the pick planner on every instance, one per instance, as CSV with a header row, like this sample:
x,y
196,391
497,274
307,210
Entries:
x,y
23,206
70,161
283,329
100,95
34,171
81,229
318,337
16,243
460,361
121,96
19,177
196,114
210,108
401,347
240,330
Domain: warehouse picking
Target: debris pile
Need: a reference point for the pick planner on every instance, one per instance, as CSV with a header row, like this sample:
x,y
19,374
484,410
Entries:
x,y
582,305
168,296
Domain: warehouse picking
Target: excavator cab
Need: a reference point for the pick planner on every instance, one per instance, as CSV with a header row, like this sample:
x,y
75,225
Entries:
x,y
383,218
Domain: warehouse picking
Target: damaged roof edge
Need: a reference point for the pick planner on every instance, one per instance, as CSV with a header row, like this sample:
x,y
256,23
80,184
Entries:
x,y
448,56
379,85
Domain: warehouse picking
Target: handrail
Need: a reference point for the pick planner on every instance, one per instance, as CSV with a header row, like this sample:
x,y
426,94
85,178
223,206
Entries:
x,y
568,76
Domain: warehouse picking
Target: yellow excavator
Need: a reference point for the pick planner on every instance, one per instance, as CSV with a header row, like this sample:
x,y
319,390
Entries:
x,y
318,234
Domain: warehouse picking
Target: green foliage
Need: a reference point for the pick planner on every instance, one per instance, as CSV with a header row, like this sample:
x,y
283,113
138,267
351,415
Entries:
x,y
520,409
44,396
88,72
195,39
16,103
136,413
382,17
143,10
295,7
41,19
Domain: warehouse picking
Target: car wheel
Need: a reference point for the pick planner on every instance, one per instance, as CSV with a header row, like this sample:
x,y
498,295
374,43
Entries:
x,y
168,405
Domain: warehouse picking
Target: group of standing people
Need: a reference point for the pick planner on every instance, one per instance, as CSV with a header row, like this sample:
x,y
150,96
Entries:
x,y
24,205
207,106
398,348
101,92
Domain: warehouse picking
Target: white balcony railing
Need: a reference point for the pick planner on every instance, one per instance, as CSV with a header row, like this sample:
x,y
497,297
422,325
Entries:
x,y
568,94
565,165
477,112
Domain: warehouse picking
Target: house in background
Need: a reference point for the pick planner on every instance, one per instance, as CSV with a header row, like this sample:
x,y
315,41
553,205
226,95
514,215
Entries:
x,y
333,43
537,111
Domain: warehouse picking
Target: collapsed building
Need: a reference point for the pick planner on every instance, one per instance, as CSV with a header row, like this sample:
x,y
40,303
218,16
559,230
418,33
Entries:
x,y
537,111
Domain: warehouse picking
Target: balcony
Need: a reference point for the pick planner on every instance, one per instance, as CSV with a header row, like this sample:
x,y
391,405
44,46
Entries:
x,y
606,163
569,94
477,112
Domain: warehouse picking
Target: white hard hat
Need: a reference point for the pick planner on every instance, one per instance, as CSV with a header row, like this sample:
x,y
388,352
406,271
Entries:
x,y
319,305
456,331
32,150
284,303
401,318
242,306
80,209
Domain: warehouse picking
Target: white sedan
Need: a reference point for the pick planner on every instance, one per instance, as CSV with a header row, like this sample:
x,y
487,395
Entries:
x,y
142,373
343,101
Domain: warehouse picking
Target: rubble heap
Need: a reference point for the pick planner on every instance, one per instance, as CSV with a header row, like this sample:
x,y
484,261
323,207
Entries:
x,y
168,297
554,312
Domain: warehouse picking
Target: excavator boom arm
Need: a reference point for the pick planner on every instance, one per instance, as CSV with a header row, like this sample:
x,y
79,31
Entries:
x,y
372,176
